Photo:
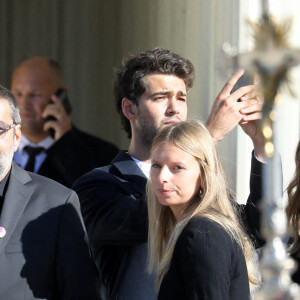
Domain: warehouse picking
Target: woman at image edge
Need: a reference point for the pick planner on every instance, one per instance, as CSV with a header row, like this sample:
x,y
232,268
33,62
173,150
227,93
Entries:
x,y
196,243
293,215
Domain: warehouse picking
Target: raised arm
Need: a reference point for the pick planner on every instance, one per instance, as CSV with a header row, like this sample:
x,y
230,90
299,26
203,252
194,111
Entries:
x,y
242,106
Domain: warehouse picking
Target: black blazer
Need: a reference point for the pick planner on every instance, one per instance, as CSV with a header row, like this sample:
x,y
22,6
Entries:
x,y
44,254
74,154
115,213
206,264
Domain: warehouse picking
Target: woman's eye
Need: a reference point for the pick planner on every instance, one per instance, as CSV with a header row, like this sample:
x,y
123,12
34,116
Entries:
x,y
155,166
178,168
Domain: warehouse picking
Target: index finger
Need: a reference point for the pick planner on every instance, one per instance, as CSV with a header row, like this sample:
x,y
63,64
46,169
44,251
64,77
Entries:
x,y
56,101
232,81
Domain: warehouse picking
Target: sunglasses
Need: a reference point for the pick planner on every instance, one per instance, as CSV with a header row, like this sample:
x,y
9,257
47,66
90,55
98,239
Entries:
x,y
4,127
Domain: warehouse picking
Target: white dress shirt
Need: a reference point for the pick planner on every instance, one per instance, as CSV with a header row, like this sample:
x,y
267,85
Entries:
x,y
145,167
21,156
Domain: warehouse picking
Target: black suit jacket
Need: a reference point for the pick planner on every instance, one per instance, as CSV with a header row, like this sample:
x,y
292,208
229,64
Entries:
x,y
44,254
74,154
207,264
115,213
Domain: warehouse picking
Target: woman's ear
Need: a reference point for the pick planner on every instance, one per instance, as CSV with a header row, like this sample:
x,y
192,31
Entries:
x,y
129,109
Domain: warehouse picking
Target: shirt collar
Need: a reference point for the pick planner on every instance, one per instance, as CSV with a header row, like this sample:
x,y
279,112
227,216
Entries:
x,y
145,167
46,143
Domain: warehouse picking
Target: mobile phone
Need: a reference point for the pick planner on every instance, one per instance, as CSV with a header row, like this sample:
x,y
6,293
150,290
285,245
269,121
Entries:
x,y
62,95
244,80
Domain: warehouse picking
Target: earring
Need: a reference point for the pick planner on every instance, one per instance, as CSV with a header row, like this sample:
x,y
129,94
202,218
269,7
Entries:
x,y
201,191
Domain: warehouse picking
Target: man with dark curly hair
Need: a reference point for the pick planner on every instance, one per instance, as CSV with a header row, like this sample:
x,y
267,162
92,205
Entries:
x,y
151,93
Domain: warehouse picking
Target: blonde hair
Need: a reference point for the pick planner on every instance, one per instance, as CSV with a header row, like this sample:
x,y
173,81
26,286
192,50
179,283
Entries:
x,y
293,206
213,203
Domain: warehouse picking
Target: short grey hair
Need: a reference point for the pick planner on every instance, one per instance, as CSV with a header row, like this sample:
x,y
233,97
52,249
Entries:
x,y
5,94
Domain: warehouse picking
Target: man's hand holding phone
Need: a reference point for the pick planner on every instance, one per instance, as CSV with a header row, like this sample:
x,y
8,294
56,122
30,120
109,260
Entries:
x,y
57,118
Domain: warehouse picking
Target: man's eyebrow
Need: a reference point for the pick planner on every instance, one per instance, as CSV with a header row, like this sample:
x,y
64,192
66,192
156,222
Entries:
x,y
182,93
160,93
168,92
20,90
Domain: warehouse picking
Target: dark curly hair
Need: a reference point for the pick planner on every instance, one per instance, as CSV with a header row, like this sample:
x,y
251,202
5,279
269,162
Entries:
x,y
129,78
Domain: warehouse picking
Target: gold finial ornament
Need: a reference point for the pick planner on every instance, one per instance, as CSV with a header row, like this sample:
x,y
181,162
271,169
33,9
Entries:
x,y
271,60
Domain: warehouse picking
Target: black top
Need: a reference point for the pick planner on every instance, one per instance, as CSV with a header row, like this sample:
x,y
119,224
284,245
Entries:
x,y
3,188
3,184
296,274
206,264
115,214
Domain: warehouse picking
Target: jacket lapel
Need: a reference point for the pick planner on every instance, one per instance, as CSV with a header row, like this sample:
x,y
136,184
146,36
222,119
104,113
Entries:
x,y
130,171
16,199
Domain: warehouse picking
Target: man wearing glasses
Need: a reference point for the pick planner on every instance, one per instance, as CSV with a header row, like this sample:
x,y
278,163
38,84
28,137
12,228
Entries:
x,y
43,249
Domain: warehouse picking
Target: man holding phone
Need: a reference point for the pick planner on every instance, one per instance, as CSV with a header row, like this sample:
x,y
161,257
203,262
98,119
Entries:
x,y
35,85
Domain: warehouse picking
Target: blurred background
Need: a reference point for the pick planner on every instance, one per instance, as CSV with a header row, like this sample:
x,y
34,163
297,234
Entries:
x,y
89,38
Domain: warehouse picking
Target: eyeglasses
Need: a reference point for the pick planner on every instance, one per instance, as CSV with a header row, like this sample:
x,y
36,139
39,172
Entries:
x,y
4,127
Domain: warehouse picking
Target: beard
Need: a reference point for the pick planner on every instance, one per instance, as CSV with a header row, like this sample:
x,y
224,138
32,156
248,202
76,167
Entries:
x,y
5,160
148,131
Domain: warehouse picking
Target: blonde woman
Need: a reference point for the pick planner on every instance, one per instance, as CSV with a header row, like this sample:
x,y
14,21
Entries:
x,y
196,243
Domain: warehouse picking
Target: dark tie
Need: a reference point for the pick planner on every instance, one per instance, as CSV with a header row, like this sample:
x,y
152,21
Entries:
x,y
32,153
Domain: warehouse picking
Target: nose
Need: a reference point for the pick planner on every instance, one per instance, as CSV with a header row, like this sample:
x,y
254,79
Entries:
x,y
24,101
173,108
164,175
